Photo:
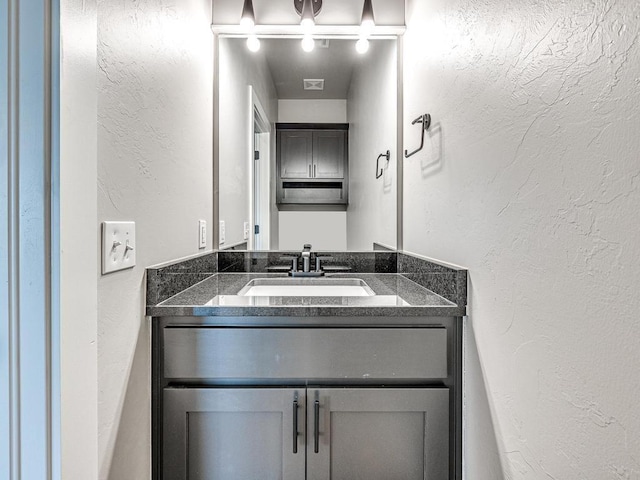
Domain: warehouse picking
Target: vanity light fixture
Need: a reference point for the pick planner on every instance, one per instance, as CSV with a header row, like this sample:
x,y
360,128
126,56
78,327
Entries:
x,y
307,9
248,22
248,18
367,24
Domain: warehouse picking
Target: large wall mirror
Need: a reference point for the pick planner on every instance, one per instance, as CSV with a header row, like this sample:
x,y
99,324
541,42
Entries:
x,y
332,87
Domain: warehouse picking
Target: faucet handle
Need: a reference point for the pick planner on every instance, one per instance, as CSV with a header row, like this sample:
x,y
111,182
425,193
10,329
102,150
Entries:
x,y
307,246
322,258
293,259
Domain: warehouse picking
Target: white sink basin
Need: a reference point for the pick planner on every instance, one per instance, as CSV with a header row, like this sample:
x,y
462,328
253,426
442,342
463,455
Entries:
x,y
317,287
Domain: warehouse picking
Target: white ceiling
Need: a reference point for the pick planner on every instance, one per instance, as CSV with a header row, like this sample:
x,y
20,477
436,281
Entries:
x,y
290,65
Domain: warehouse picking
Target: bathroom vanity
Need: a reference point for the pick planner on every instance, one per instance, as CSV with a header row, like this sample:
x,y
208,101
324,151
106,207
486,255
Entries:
x,y
257,378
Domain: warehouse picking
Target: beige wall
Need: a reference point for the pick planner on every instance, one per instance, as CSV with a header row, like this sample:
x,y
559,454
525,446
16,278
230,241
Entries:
x,y
372,114
322,230
531,179
312,111
155,107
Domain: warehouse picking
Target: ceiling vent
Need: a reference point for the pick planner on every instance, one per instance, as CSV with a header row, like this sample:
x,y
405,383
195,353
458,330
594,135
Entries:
x,y
313,83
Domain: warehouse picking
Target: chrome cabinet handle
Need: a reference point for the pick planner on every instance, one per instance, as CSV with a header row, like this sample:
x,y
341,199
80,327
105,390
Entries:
x,y
295,425
314,171
316,422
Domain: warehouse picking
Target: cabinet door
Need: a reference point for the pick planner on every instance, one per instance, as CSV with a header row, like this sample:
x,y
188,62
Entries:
x,y
329,153
295,153
233,434
378,434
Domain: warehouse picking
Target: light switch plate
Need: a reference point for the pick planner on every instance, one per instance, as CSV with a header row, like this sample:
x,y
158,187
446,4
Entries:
x,y
246,231
118,246
202,233
222,232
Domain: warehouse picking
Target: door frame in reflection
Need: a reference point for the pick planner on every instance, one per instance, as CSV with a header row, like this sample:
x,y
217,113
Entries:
x,y
260,174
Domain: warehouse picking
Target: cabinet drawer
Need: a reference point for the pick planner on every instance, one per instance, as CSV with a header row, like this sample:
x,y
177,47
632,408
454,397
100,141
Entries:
x,y
305,353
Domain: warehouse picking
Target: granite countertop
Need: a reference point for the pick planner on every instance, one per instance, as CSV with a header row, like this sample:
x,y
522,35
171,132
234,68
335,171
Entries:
x,y
395,295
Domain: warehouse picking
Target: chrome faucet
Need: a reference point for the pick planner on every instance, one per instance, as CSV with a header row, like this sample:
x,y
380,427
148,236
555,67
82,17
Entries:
x,y
306,258
306,264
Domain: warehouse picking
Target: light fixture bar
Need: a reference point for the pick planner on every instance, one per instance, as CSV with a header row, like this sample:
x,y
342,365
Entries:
x,y
284,30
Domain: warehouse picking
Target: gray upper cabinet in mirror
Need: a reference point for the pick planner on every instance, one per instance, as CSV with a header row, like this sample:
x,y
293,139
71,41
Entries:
x,y
257,91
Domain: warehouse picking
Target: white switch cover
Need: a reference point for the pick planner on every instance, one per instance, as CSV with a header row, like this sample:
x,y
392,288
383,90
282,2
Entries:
x,y
246,230
222,232
202,233
118,246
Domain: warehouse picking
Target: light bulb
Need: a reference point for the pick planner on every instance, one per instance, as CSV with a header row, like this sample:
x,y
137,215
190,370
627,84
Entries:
x,y
253,43
362,46
367,23
308,44
247,23
307,21
307,24
366,27
248,18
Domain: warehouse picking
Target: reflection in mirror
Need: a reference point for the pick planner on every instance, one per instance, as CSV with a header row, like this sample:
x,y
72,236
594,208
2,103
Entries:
x,y
330,202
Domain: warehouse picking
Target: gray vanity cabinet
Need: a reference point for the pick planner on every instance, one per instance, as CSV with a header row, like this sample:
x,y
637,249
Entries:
x,y
299,401
233,434
351,434
377,434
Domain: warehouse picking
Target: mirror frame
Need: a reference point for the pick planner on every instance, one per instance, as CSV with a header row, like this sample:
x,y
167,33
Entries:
x,y
346,32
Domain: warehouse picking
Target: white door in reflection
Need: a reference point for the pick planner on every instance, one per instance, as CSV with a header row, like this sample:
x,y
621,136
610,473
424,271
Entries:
x,y
261,225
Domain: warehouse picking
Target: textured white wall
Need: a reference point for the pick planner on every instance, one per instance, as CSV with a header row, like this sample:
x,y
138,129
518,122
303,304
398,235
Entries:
x,y
155,168
323,230
530,178
239,68
79,262
312,111
372,114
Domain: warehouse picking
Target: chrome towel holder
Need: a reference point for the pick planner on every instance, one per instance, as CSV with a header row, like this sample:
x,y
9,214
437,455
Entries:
x,y
380,171
425,120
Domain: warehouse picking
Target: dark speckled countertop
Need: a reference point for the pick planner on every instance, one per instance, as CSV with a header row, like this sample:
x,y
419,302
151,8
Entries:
x,y
198,287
